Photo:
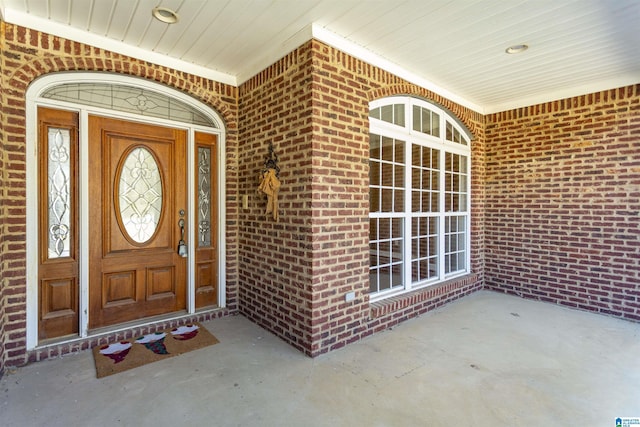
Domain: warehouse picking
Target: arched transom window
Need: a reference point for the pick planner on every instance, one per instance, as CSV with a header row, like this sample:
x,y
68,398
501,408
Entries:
x,y
128,99
419,188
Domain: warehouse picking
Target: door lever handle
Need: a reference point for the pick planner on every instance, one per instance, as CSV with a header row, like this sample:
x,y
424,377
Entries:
x,y
182,246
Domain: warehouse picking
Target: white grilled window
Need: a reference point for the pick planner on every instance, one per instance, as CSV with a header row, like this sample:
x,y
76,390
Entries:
x,y
419,195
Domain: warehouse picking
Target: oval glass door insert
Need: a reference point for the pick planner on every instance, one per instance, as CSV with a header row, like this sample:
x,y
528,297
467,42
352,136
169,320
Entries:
x,y
140,195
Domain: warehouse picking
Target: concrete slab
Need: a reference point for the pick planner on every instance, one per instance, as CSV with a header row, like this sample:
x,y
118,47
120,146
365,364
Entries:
x,y
486,360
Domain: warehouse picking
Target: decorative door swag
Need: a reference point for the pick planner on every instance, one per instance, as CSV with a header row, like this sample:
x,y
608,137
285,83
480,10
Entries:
x,y
270,184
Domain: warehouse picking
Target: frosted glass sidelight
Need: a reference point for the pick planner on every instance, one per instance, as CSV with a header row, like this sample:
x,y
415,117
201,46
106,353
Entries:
x,y
59,192
204,197
140,194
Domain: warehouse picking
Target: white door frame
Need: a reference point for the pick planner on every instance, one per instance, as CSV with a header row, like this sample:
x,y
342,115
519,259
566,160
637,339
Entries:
x,y
34,99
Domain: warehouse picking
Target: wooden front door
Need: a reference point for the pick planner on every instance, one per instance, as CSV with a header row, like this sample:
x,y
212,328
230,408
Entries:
x,y
137,197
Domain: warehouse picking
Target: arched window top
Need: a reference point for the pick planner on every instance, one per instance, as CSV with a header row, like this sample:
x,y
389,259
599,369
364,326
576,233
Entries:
x,y
124,94
128,99
421,117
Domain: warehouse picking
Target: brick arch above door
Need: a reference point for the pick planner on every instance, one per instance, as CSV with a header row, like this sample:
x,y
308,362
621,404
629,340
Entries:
x,y
52,54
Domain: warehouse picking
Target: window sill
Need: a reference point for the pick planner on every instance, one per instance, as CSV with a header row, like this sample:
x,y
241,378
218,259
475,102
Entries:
x,y
426,298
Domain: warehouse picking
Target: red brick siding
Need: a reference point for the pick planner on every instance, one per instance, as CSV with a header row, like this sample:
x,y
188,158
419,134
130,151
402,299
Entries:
x,y
3,210
563,202
294,274
275,257
28,54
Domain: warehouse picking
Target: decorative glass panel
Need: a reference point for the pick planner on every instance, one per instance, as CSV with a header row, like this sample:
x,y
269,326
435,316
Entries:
x,y
129,99
140,194
204,196
59,192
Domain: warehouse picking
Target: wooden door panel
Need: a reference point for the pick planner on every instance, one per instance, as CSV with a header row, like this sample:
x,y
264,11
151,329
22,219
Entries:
x,y
58,298
58,307
204,275
135,274
58,223
119,288
161,282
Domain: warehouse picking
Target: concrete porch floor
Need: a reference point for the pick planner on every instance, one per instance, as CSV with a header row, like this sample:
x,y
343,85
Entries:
x,y
485,360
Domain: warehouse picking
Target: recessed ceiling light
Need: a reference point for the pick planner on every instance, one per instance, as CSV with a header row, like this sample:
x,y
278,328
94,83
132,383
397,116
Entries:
x,y
516,48
164,14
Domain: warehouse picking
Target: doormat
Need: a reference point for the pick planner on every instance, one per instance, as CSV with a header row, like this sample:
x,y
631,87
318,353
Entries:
x,y
128,354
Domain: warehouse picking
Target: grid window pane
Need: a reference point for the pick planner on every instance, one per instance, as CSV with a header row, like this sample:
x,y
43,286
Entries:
x,y
386,202
398,114
374,173
386,174
386,113
455,183
387,149
417,124
455,244
426,121
374,147
399,151
385,254
374,199
435,128
424,255
454,135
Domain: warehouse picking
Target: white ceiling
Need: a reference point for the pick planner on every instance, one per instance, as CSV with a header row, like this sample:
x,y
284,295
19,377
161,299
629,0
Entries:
x,y
453,47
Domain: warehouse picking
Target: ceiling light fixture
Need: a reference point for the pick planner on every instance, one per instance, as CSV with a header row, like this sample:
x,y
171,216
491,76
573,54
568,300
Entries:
x,y
164,14
516,48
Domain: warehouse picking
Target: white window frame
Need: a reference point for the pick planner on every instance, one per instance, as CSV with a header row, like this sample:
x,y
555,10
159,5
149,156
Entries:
x,y
411,137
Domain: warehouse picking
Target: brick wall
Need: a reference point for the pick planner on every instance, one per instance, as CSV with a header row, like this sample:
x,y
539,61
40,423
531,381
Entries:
x,y
294,274
27,54
3,212
275,258
555,199
563,202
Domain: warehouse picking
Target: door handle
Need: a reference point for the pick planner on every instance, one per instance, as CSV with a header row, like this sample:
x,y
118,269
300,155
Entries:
x,y
182,246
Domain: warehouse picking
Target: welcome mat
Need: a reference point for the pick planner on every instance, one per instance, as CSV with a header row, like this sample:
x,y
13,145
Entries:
x,y
128,354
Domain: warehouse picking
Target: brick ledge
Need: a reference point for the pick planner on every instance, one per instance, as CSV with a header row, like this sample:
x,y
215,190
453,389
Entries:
x,y
399,302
